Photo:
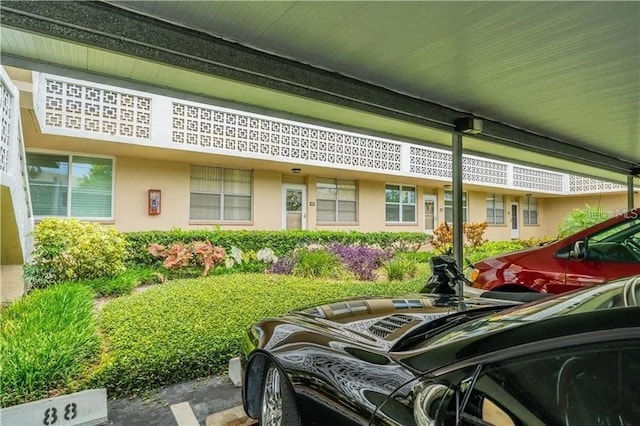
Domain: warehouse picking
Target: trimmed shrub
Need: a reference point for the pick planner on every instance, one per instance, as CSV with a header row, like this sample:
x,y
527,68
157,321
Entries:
x,y
151,343
69,250
494,248
282,242
48,338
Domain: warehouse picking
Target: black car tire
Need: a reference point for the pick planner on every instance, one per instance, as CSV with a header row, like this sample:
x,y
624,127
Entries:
x,y
277,402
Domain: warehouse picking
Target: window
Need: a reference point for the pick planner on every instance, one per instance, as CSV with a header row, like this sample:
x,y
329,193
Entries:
x,y
400,203
220,194
495,209
70,186
448,206
573,385
530,211
570,386
337,200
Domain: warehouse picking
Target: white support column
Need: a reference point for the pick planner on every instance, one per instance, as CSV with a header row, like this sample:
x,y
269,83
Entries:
x,y
510,175
162,121
405,159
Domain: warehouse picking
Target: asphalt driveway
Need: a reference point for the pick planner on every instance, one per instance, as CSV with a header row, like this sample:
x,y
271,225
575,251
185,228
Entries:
x,y
204,397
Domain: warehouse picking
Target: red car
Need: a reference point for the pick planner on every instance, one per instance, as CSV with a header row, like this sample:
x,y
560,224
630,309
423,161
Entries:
x,y
603,252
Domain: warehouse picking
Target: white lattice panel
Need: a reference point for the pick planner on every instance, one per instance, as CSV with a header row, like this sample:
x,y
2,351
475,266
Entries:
x,y
436,163
87,109
216,129
584,184
537,179
5,126
482,171
430,162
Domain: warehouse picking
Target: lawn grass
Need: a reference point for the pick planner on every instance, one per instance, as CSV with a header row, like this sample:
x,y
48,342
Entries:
x,y
190,328
47,339
125,282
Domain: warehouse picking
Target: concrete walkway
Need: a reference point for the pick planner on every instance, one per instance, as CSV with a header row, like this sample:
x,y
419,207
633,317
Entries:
x,y
183,404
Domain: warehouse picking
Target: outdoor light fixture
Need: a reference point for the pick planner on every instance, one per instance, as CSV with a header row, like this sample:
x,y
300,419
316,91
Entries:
x,y
296,170
447,186
527,195
469,125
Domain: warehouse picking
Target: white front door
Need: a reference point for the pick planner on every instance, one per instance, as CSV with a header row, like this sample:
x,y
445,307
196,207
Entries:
x,y
430,213
294,209
515,220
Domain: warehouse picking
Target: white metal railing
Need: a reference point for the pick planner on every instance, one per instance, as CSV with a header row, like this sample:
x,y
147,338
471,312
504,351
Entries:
x,y
13,166
71,107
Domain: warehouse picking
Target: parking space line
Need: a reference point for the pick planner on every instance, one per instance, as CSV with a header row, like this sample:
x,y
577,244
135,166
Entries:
x,y
184,414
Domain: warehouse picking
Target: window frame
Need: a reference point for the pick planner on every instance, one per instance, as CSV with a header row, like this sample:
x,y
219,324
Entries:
x,y
70,155
526,211
400,204
491,205
465,206
336,182
222,195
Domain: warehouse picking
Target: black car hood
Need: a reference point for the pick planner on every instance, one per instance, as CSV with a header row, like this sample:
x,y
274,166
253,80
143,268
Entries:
x,y
340,351
378,322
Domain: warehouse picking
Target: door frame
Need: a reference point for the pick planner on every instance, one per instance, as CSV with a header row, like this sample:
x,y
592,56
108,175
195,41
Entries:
x,y
515,233
434,198
303,188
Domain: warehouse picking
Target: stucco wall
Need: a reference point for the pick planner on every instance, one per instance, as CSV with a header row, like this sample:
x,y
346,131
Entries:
x,y
134,176
612,204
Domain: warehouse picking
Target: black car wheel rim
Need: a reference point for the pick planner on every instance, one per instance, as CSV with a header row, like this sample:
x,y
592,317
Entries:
x,y
271,399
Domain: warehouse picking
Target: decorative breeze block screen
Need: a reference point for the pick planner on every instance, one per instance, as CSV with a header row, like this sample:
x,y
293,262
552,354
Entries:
x,y
537,179
5,119
222,130
83,108
584,184
428,162
484,171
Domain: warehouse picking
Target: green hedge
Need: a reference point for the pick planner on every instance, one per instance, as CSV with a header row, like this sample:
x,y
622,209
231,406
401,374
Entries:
x,y
191,328
48,339
281,242
495,248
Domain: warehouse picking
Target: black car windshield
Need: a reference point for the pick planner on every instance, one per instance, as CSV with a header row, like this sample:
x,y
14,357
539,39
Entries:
x,y
600,297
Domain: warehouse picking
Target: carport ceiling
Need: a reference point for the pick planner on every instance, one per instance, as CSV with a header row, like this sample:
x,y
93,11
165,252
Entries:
x,y
558,79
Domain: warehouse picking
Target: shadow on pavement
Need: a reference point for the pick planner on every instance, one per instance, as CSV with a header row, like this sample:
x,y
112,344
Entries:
x,y
205,396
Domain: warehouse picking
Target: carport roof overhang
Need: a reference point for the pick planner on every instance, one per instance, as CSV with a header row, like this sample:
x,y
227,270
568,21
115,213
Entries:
x,y
557,83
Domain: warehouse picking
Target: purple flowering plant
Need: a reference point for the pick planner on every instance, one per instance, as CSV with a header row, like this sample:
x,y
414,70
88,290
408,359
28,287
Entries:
x,y
284,265
361,260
